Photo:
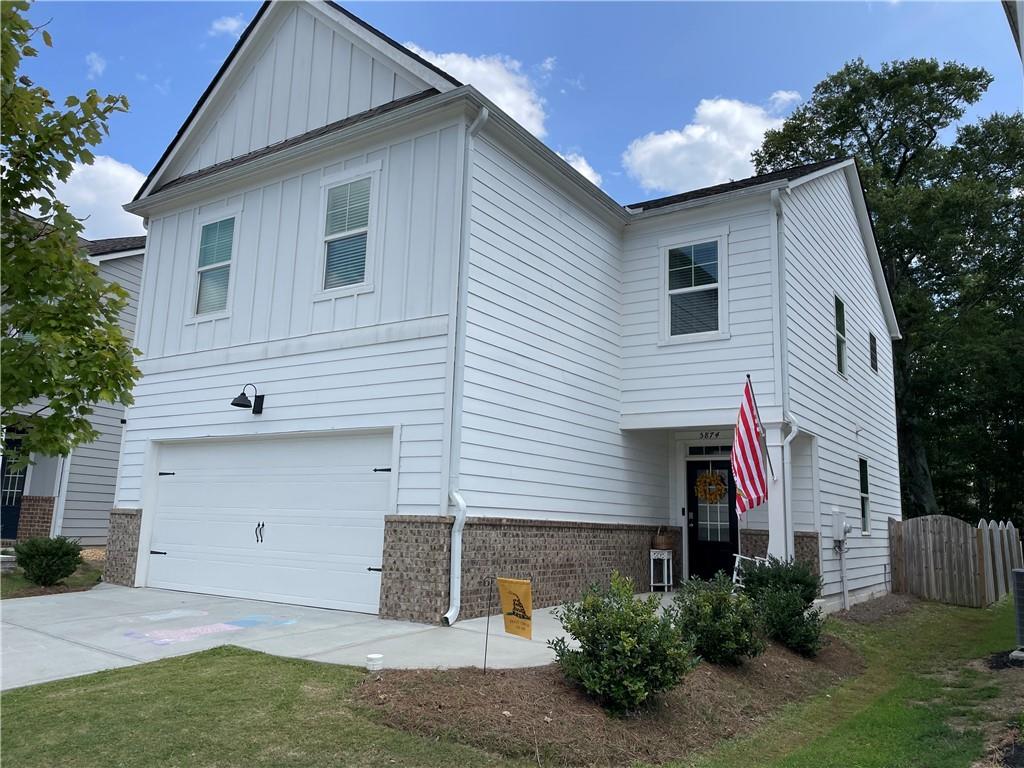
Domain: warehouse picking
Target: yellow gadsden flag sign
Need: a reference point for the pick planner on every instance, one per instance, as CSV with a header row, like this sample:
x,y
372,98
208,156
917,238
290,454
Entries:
x,y
517,606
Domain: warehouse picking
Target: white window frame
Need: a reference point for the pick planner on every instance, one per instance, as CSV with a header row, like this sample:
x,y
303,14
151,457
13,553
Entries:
x,y
865,497
221,214
371,171
844,336
695,237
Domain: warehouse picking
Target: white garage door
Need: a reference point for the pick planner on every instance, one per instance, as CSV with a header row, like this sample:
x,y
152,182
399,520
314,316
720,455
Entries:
x,y
287,519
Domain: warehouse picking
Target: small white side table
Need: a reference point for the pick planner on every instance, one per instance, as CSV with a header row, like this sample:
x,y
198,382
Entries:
x,y
664,558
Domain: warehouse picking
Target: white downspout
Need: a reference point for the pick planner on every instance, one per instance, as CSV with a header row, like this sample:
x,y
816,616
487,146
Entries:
x,y
787,482
455,496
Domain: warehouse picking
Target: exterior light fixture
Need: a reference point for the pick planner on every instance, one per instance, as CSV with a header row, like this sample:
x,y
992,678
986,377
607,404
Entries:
x,y
243,401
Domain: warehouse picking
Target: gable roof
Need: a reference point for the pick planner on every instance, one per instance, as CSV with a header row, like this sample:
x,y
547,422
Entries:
x,y
334,8
114,245
786,174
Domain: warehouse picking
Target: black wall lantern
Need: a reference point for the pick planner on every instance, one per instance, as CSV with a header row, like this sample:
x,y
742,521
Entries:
x,y
243,401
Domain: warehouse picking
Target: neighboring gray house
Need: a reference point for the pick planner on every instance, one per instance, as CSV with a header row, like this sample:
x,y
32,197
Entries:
x,y
72,496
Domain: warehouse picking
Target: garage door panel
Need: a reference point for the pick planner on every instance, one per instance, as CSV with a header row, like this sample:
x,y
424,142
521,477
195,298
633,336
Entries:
x,y
321,504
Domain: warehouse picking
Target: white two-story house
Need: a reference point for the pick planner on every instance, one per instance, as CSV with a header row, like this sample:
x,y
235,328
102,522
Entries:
x,y
466,360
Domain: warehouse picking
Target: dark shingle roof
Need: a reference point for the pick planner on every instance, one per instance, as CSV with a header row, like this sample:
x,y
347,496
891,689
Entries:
x,y
114,245
337,125
786,174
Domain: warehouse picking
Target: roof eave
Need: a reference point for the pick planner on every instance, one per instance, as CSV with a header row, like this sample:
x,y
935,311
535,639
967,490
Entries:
x,y
698,202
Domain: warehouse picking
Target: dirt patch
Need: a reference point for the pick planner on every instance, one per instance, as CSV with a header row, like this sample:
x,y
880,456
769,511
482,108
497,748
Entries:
x,y
56,589
535,713
880,609
94,554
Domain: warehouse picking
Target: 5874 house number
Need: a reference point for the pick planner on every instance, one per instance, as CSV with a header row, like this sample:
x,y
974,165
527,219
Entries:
x,y
710,435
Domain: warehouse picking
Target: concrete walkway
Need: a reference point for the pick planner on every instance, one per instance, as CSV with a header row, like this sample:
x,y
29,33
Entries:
x,y
58,636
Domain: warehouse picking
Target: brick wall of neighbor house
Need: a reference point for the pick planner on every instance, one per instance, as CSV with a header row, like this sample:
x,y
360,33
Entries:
x,y
122,546
561,558
36,517
754,543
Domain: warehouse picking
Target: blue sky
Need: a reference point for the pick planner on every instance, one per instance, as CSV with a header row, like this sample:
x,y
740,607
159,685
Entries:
x,y
649,98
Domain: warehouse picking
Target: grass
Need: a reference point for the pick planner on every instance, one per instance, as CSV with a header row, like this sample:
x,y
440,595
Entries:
x,y
901,712
232,707
14,584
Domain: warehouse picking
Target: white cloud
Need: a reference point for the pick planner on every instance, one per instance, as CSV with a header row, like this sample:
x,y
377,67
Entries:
x,y
98,191
713,148
227,25
549,64
96,63
579,162
501,79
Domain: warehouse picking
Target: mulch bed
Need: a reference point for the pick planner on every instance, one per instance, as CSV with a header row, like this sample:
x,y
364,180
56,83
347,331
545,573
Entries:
x,y
535,713
880,609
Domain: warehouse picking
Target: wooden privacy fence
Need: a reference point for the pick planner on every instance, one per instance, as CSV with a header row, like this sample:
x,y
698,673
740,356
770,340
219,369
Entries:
x,y
941,558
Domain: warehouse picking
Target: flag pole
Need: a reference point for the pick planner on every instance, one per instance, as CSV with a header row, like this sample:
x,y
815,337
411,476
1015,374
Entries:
x,y
760,428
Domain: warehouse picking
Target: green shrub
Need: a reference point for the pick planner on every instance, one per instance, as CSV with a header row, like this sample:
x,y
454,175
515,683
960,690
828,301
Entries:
x,y
627,652
787,575
789,620
723,626
48,561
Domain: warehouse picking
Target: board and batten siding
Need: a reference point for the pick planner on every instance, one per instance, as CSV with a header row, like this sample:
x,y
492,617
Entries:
x,y
374,359
540,436
92,467
668,378
852,416
307,73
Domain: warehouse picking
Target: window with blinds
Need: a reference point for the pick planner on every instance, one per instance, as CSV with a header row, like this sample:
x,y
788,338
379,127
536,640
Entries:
x,y
215,244
693,282
840,336
345,233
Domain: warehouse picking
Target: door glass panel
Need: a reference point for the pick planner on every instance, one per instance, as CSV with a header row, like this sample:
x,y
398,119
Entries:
x,y
713,505
13,483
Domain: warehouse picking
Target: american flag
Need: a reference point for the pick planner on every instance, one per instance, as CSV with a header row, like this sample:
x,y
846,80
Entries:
x,y
747,464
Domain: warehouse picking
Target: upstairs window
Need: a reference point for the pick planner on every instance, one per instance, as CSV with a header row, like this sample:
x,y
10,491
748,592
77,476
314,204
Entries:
x,y
865,498
873,351
693,282
214,270
345,234
840,337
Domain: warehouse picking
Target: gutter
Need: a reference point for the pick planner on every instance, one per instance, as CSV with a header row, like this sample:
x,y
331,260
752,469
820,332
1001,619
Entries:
x,y
787,482
458,355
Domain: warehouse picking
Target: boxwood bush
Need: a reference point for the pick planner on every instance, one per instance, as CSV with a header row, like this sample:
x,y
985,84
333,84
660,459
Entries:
x,y
723,625
628,650
48,561
784,592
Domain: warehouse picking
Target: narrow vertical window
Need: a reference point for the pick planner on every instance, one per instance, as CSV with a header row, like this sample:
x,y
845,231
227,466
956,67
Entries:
x,y
865,500
873,344
345,233
693,289
840,336
214,269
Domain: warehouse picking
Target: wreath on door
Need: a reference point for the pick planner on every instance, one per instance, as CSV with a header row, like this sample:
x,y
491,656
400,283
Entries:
x,y
711,488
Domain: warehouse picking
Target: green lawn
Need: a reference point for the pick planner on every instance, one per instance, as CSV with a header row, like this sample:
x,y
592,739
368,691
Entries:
x,y
231,707
14,584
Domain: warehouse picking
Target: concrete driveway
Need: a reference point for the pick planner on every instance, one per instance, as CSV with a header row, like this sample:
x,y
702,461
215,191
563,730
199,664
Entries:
x,y
58,636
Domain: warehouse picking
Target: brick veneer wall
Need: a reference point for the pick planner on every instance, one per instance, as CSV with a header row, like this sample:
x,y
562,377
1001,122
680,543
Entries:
x,y
754,543
122,546
562,559
36,517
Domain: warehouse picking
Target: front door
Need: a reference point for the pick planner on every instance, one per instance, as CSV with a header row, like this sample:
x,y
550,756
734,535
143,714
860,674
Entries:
x,y
12,486
711,517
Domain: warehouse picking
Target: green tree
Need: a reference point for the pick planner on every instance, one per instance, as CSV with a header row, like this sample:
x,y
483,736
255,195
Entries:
x,y
948,219
62,347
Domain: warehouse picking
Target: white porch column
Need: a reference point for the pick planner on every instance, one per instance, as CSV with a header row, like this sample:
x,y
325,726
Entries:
x,y
778,539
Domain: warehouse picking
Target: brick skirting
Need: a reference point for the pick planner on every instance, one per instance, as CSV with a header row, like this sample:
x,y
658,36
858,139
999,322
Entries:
x,y
35,517
754,543
562,559
122,546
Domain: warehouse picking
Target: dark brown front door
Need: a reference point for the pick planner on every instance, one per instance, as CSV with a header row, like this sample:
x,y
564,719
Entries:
x,y
711,517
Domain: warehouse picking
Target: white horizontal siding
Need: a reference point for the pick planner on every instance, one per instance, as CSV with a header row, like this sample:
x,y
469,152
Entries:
x,y
379,385
540,408
852,416
704,375
275,279
306,73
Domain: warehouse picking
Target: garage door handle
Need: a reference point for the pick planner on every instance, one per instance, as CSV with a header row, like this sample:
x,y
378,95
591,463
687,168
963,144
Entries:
x,y
376,570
